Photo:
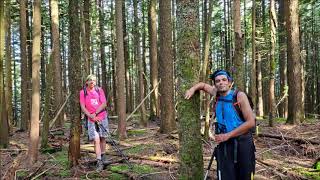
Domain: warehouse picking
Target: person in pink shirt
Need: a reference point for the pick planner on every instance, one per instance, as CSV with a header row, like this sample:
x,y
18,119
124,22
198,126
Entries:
x,y
93,103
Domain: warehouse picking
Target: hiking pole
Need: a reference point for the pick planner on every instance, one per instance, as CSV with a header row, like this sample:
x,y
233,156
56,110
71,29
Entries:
x,y
114,145
210,163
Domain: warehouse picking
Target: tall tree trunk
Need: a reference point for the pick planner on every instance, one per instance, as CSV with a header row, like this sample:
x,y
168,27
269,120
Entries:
x,y
295,105
253,87
258,61
238,40
36,58
188,54
129,103
273,25
102,49
205,67
121,95
74,69
4,134
24,67
8,82
155,109
56,59
139,63
167,114
86,38
283,107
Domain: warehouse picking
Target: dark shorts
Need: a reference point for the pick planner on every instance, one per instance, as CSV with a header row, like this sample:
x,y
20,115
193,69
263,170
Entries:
x,y
236,158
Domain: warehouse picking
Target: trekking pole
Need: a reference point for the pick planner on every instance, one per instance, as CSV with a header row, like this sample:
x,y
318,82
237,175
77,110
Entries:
x,y
114,145
210,163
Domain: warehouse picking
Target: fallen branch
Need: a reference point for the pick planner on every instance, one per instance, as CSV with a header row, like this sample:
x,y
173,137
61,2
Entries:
x,y
297,140
60,110
12,169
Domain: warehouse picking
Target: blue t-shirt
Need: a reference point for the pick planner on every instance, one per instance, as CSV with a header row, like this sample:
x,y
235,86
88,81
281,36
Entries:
x,y
226,114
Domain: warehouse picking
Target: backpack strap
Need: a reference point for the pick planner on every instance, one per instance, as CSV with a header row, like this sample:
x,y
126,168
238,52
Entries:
x,y
236,104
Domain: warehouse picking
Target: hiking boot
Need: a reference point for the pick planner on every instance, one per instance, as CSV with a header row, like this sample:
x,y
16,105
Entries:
x,y
104,159
99,165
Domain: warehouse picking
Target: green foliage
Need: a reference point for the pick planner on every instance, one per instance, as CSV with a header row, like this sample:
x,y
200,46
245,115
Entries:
x,y
136,132
138,169
116,176
21,174
317,165
61,159
309,173
140,148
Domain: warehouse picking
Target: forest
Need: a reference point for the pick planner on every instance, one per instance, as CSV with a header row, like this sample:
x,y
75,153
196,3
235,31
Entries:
x,y
146,54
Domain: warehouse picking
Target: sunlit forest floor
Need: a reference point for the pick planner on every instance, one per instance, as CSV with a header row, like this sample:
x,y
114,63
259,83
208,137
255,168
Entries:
x,y
282,152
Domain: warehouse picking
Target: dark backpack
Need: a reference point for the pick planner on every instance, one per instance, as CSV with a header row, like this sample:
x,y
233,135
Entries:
x,y
236,106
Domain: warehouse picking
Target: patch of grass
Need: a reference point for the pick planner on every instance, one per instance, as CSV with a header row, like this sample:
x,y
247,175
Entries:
x,y
93,175
116,176
61,159
280,120
309,173
138,169
22,174
136,132
317,165
140,148
67,125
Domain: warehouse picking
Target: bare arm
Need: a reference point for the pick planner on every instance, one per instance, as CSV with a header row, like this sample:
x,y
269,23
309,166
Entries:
x,y
245,127
201,86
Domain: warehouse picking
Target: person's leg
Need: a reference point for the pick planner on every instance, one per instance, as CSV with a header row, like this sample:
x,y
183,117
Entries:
x,y
246,158
103,134
94,136
226,168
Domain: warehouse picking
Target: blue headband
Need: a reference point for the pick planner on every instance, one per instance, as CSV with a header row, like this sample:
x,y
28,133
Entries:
x,y
221,72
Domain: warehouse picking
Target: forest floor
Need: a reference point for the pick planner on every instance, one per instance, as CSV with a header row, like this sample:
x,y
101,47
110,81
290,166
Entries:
x,y
282,152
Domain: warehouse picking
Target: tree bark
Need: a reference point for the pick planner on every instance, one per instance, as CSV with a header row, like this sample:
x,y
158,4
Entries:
x,y
36,58
56,58
74,69
238,41
4,141
139,63
167,114
87,32
283,107
24,67
273,25
155,109
8,72
295,105
188,54
253,88
121,96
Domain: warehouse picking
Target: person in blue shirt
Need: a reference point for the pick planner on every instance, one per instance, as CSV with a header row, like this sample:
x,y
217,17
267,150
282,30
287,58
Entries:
x,y
235,152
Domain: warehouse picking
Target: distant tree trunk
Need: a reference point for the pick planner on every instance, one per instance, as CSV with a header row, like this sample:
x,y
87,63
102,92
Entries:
x,y
238,40
102,49
56,59
283,107
253,87
273,25
113,55
295,105
258,62
126,59
8,82
139,63
4,133
74,69
155,109
167,114
87,32
205,69
226,38
49,98
188,54
121,95
24,67
36,58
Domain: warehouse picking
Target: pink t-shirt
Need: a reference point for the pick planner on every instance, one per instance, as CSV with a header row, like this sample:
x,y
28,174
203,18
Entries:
x,y
92,101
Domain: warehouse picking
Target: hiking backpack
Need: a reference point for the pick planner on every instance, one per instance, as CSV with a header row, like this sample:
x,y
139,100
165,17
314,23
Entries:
x,y
237,108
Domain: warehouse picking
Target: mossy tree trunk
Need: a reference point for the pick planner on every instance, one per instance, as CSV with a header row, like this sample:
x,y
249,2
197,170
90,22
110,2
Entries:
x,y
188,61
